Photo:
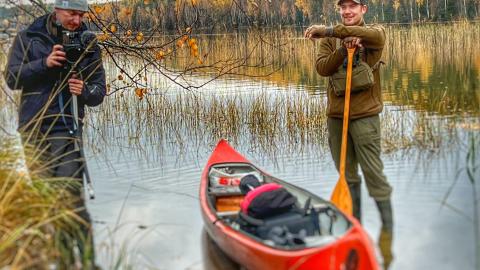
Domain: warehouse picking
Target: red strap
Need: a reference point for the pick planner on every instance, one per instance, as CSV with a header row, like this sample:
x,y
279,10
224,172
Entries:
x,y
254,193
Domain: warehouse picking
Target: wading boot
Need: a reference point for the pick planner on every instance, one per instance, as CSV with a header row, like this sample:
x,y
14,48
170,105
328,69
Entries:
x,y
386,233
355,192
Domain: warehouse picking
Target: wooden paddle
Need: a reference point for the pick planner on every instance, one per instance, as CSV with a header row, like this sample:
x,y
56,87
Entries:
x,y
341,194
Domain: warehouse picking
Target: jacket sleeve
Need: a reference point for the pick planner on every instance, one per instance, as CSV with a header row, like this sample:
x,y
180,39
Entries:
x,y
94,77
20,71
373,36
329,58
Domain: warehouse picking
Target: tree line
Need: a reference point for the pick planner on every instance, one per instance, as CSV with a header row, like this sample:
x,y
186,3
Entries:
x,y
241,13
227,14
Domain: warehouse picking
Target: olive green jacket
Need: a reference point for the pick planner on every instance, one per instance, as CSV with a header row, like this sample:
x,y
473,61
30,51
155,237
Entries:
x,y
364,103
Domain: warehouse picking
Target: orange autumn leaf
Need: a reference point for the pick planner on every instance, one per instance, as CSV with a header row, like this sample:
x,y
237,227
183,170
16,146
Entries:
x,y
160,55
128,33
140,92
180,43
191,42
98,9
113,28
127,11
139,37
103,37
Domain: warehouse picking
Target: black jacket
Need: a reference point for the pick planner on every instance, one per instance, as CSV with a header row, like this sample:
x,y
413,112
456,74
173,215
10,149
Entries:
x,y
27,70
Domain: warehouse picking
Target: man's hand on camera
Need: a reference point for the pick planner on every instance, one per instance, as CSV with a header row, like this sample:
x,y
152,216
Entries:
x,y
352,42
75,85
56,57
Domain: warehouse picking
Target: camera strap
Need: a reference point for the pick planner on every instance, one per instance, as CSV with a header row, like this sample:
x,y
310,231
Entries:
x,y
62,113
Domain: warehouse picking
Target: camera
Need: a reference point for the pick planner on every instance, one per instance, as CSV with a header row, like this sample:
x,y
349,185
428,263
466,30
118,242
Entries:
x,y
76,44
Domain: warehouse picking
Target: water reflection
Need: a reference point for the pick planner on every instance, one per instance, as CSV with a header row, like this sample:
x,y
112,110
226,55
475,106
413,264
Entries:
x,y
213,257
150,152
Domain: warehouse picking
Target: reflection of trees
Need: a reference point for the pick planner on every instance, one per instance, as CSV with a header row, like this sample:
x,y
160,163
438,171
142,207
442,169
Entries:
x,y
433,68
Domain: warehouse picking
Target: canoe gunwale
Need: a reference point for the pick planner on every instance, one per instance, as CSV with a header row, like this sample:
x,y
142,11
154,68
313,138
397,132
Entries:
x,y
254,254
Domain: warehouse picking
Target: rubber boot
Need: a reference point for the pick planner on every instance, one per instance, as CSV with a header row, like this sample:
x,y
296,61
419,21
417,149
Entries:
x,y
356,193
386,233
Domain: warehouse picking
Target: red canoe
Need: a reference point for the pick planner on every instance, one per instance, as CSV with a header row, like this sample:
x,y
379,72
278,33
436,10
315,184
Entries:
x,y
340,243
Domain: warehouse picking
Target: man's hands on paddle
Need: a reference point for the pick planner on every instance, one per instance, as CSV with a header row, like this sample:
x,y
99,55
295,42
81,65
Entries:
x,y
352,42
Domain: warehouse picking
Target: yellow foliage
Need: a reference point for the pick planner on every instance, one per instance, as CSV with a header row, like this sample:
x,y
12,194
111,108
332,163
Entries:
x,y
160,55
192,42
140,92
98,9
103,37
139,37
113,28
127,11
180,43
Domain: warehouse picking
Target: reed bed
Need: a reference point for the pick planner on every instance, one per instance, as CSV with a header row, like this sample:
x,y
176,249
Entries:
x,y
429,67
289,122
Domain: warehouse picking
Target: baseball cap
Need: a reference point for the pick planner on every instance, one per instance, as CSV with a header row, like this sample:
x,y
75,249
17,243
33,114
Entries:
x,y
361,2
80,5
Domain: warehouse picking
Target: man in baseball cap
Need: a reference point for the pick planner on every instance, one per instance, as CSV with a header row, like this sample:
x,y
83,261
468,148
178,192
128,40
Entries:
x,y
69,13
80,5
362,2
39,65
365,106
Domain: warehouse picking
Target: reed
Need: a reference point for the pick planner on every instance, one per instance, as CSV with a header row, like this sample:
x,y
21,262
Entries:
x,y
285,121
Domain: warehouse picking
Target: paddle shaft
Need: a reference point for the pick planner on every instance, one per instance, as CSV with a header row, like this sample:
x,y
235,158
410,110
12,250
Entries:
x,y
346,112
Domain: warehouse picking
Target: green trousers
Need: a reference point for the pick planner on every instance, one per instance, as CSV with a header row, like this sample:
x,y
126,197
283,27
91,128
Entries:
x,y
363,149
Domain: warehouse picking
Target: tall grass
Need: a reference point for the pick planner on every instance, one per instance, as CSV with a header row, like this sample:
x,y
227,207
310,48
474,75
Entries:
x,y
287,122
36,213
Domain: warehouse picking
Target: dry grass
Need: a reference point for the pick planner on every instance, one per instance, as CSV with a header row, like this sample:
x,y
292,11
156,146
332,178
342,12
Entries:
x,y
36,212
289,122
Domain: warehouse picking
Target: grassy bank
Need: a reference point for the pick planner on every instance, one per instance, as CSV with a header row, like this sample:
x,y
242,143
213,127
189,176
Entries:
x,y
38,225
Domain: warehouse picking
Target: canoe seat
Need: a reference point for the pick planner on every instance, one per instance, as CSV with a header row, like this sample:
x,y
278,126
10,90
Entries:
x,y
228,203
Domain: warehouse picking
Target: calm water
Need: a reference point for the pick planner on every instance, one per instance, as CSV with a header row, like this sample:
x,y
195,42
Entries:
x,y
147,210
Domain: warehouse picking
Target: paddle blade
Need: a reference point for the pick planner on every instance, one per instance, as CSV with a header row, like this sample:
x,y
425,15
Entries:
x,y
341,197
